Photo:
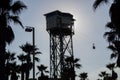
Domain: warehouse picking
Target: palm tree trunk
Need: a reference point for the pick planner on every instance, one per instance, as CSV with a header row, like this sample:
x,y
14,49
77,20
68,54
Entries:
x,y
22,72
22,75
2,47
27,74
28,67
118,60
2,59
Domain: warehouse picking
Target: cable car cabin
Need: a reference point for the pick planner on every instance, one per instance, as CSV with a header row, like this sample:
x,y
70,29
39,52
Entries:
x,y
59,22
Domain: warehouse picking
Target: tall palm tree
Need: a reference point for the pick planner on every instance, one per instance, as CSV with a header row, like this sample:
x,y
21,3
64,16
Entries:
x,y
28,49
83,76
9,11
114,34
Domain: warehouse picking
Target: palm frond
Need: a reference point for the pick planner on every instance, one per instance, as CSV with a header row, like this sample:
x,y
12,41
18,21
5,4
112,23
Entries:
x,y
83,75
37,73
111,47
102,74
37,59
42,67
21,57
10,56
46,71
110,35
110,66
117,44
110,25
37,52
113,55
76,60
78,66
99,2
17,7
16,20
28,48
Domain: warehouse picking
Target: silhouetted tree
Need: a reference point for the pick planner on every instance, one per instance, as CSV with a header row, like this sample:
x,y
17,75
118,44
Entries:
x,y
83,76
114,41
14,71
70,65
105,76
9,11
28,48
102,75
111,66
22,58
42,70
70,60
9,59
113,36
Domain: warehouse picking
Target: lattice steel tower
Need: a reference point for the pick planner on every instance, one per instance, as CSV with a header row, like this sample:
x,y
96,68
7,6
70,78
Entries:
x,y
60,28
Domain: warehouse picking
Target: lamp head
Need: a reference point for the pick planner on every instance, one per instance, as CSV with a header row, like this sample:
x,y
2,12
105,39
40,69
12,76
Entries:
x,y
28,29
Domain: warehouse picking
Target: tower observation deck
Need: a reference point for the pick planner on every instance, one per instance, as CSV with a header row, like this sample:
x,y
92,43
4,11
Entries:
x,y
60,27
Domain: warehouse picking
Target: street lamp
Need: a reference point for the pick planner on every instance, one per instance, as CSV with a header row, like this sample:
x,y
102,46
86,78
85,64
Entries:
x,y
32,29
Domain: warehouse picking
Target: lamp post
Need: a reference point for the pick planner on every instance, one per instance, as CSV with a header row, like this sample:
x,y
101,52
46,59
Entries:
x,y
32,29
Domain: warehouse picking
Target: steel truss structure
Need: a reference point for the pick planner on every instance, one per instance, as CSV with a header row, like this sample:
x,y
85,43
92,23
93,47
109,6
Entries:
x,y
61,47
60,28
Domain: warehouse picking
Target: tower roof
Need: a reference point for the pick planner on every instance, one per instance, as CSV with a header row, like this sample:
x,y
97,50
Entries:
x,y
57,12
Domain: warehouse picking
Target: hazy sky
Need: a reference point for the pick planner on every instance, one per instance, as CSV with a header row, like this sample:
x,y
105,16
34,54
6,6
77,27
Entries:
x,y
89,29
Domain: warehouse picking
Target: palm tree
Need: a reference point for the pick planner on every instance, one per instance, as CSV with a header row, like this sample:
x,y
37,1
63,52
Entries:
x,y
113,36
9,59
28,48
22,58
14,71
69,60
42,70
9,11
83,76
70,65
104,75
111,66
